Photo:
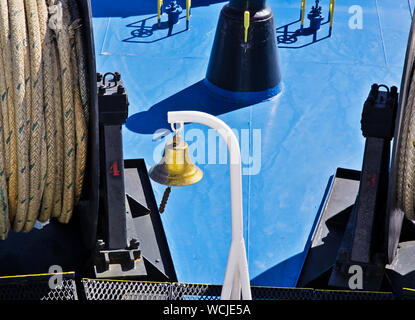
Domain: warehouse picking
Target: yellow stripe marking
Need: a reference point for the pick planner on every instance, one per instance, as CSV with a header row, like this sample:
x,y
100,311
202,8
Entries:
x,y
36,275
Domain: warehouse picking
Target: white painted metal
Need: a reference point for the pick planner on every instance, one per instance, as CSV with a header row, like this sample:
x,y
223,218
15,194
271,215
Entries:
x,y
236,283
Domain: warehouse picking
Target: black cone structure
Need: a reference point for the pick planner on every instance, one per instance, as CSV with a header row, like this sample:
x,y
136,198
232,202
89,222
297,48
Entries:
x,y
239,70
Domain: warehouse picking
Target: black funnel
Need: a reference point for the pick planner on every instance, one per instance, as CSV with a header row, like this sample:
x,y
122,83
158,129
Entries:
x,y
245,71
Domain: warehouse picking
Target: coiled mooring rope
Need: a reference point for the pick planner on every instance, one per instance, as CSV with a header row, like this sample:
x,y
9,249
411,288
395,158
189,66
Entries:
x,y
44,112
406,155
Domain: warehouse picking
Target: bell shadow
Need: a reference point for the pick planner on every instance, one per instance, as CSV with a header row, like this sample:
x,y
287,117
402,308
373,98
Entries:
x,y
196,97
143,30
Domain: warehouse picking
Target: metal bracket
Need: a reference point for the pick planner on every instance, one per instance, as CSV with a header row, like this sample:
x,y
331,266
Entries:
x,y
122,263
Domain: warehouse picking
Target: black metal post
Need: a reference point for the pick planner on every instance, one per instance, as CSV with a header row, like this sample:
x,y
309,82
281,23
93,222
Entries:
x,y
371,204
364,239
249,66
113,111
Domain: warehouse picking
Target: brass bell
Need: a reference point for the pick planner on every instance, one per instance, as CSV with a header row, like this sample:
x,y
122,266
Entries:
x,y
175,169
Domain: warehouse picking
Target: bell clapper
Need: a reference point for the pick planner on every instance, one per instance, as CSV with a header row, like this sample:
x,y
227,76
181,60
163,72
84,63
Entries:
x,y
178,130
164,200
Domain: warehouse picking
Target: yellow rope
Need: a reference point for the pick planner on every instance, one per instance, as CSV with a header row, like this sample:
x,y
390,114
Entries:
x,y
8,112
8,180
49,104
57,197
44,105
4,212
18,44
57,202
37,165
81,103
80,123
64,49
82,69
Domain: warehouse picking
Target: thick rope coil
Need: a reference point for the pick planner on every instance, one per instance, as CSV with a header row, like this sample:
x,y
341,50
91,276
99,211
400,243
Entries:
x,y
64,49
57,197
8,113
4,126
55,12
406,169
80,73
80,123
19,52
49,104
82,69
38,162
44,112
4,208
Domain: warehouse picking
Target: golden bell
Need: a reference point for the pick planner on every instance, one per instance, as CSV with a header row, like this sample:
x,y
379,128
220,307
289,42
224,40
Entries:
x,y
176,167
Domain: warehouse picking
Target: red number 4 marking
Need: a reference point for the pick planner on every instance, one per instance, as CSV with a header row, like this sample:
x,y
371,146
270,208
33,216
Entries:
x,y
371,180
114,169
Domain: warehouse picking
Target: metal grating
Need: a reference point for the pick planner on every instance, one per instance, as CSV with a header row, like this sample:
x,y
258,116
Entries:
x,y
125,290
352,295
36,287
189,291
137,290
269,293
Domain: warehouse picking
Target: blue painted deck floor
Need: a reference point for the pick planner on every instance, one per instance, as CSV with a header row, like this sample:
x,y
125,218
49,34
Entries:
x,y
302,136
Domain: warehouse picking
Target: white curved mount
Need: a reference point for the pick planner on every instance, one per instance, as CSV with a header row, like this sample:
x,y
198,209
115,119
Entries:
x,y
236,281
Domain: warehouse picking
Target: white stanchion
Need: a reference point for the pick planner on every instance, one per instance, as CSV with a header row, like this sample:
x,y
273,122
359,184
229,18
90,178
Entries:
x,y
236,282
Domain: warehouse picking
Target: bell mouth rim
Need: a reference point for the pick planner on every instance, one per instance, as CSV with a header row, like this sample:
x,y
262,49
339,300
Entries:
x,y
172,181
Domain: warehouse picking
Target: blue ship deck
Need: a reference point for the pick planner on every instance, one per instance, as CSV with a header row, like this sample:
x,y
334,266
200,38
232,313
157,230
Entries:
x,y
308,131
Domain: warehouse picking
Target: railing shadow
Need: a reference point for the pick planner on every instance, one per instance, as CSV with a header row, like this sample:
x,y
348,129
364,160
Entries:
x,y
142,30
286,38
